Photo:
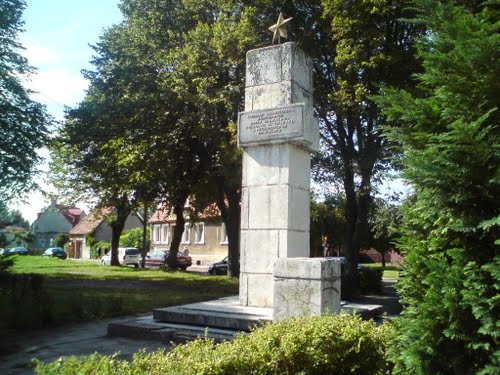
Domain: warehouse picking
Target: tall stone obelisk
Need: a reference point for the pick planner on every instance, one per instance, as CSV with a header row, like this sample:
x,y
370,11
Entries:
x,y
277,131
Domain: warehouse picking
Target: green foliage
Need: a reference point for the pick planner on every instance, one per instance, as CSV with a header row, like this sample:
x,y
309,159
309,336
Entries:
x,y
385,218
11,217
61,239
358,46
6,262
104,247
330,344
450,140
133,238
370,279
23,122
328,223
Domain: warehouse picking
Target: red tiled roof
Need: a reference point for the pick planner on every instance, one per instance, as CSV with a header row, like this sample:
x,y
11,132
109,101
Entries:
x,y
91,221
73,215
160,216
163,215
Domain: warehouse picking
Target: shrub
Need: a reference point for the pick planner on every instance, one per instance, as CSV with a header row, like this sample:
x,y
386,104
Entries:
x,y
133,238
370,280
329,344
94,250
61,239
451,156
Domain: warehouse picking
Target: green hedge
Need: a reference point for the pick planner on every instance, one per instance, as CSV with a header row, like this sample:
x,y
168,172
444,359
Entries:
x,y
330,344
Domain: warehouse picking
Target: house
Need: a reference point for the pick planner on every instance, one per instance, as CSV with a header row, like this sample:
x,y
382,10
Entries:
x,y
95,226
206,238
55,219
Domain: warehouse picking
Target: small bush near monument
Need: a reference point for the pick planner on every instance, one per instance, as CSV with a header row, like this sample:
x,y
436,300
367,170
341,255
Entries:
x,y
328,344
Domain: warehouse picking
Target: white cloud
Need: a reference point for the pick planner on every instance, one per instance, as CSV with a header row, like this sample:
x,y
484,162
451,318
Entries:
x,y
39,55
62,87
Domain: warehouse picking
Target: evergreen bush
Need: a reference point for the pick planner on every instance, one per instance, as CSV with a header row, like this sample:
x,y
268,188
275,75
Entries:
x,y
330,344
450,142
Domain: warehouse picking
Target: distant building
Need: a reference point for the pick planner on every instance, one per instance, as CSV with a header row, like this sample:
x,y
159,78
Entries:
x,y
206,238
96,226
55,219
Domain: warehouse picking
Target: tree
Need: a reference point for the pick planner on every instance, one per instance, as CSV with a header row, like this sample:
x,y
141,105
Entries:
x,y
61,239
371,45
12,218
450,143
23,122
356,46
132,238
328,223
384,221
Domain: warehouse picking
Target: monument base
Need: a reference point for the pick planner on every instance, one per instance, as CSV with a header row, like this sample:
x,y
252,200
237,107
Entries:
x,y
306,286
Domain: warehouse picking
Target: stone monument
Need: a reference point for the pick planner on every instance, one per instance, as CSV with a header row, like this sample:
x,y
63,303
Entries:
x,y
277,132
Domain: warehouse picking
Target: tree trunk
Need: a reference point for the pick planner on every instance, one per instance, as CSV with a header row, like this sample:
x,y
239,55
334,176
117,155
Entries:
x,y
144,249
351,246
231,216
117,223
178,231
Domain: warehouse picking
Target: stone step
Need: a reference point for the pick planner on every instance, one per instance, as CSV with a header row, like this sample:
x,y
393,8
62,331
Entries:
x,y
220,320
147,328
223,313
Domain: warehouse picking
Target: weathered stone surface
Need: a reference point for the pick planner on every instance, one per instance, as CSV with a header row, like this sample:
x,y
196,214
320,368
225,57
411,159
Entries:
x,y
305,286
267,125
277,131
285,62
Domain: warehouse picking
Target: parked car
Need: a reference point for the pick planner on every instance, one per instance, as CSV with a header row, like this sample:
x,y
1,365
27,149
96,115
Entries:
x,y
16,250
56,252
126,256
158,258
219,268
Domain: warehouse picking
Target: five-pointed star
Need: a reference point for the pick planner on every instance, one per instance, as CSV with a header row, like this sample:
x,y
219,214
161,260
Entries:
x,y
279,29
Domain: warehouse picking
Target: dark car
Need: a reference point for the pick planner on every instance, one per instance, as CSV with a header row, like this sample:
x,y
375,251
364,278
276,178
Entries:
x,y
17,250
219,268
56,252
158,259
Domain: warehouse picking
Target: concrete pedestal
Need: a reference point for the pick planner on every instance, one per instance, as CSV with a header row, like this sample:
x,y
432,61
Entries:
x,y
306,286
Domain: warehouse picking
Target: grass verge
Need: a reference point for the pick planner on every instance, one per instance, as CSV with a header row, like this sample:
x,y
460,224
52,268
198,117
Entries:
x,y
39,292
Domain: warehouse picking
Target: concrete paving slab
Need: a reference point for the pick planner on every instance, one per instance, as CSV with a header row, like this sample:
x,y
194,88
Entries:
x,y
224,313
48,345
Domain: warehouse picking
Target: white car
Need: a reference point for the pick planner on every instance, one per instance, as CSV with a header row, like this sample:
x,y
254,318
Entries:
x,y
126,256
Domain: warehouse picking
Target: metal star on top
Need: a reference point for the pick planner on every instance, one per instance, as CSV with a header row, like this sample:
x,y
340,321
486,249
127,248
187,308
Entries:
x,y
279,29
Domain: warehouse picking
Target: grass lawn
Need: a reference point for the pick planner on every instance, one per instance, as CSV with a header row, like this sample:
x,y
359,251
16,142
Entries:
x,y
40,292
390,272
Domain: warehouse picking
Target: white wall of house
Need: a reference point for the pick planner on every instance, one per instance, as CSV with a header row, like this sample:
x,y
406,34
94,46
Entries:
x,y
206,241
103,232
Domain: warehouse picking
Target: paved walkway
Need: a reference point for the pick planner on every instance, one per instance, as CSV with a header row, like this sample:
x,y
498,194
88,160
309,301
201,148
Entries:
x,y
82,339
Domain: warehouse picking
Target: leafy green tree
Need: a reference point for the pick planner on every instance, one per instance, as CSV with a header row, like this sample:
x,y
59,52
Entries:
x,y
356,46
23,122
132,238
328,226
61,239
384,222
450,141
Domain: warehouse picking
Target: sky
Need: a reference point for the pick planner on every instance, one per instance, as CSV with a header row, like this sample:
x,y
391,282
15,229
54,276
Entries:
x,y
57,37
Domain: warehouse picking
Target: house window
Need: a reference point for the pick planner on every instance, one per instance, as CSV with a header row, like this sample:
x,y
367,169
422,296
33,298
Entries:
x,y
199,233
186,236
156,233
164,233
223,234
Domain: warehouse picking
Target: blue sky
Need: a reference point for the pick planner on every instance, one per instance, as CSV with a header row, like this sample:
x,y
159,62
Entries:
x,y
57,37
